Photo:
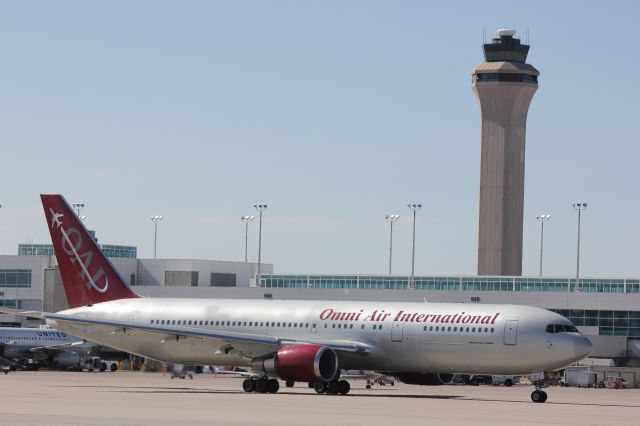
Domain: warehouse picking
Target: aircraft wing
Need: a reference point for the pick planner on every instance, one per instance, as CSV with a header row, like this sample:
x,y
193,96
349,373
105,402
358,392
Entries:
x,y
55,348
246,341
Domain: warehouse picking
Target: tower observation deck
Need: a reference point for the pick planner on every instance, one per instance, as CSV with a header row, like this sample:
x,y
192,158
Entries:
x,y
504,86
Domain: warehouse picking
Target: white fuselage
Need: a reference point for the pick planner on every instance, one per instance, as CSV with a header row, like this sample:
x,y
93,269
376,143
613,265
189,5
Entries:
x,y
403,337
16,342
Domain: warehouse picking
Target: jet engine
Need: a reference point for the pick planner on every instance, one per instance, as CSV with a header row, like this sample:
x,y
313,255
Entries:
x,y
66,359
426,379
302,363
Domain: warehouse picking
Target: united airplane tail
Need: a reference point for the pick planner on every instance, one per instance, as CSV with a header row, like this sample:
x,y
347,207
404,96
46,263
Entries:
x,y
87,275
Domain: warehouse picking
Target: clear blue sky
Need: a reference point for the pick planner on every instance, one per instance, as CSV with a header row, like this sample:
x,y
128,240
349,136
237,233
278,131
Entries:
x,y
333,112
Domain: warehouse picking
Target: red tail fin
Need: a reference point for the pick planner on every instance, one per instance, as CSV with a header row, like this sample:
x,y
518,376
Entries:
x,y
87,274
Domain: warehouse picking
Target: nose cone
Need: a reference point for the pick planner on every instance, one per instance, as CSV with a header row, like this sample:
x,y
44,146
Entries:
x,y
582,347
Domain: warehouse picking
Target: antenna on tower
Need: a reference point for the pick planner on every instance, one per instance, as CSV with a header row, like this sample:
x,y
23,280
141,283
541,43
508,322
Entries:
x,y
527,42
484,34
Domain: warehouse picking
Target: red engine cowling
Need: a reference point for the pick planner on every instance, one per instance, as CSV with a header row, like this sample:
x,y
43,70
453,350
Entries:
x,y
302,363
426,379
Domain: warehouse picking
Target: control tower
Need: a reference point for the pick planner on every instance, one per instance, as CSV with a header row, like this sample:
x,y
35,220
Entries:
x,y
504,85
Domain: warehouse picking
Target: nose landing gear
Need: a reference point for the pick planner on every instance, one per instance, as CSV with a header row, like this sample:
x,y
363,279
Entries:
x,y
539,396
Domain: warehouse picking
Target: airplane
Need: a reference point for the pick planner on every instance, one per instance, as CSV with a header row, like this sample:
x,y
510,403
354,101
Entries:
x,y
46,347
305,341
32,348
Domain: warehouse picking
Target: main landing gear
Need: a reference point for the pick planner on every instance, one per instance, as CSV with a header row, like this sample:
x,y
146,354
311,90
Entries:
x,y
260,385
333,387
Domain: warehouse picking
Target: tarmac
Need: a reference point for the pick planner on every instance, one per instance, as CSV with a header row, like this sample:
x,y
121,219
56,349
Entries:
x,y
135,398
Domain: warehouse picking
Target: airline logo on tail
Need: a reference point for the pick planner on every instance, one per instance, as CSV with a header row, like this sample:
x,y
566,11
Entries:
x,y
84,260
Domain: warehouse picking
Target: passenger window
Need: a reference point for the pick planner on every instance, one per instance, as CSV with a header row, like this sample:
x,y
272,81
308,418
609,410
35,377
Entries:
x,y
173,322
351,326
162,322
151,321
339,325
380,327
449,329
325,326
424,328
362,327
492,329
455,328
289,324
334,326
486,329
437,328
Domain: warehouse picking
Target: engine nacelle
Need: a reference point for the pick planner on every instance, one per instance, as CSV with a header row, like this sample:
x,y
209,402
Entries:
x,y
426,379
301,363
66,359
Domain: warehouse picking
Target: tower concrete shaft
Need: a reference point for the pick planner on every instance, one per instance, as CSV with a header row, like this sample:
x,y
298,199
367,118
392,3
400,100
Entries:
x,y
504,86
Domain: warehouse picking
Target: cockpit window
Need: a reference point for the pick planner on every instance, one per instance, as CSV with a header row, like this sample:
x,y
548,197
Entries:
x,y
561,328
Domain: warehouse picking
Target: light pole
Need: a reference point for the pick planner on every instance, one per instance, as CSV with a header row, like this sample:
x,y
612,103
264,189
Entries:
x,y
414,207
391,218
246,220
155,220
78,207
260,207
542,219
578,206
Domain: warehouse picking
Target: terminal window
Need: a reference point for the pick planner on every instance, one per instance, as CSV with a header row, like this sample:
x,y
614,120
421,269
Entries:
x,y
181,278
223,280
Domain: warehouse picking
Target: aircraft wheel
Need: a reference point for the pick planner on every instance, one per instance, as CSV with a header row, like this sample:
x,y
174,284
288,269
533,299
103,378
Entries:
x,y
262,386
538,396
310,384
343,387
249,385
320,387
368,386
333,387
273,386
508,383
475,382
289,383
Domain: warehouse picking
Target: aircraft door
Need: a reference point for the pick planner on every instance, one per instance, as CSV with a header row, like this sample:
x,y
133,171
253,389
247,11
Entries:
x,y
397,331
314,327
510,332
